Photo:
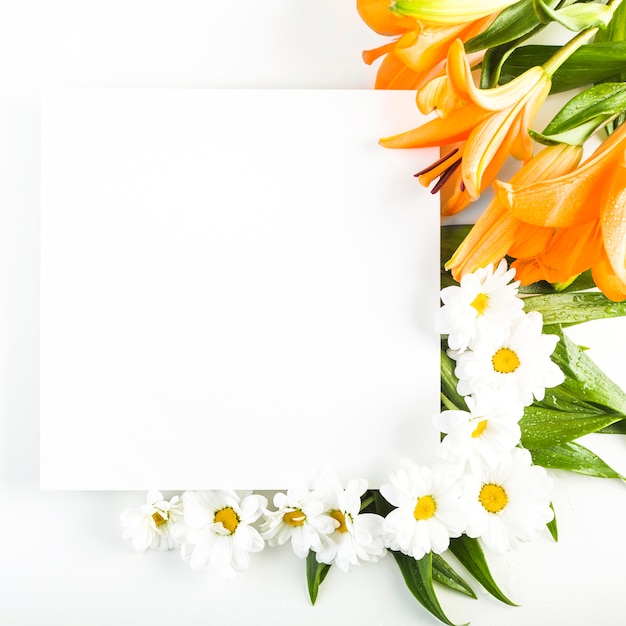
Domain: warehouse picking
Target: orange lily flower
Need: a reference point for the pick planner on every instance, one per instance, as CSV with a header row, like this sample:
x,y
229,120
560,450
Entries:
x,y
491,122
586,209
498,233
420,49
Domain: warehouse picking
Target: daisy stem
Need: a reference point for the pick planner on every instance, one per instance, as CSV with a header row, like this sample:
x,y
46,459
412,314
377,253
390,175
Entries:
x,y
553,64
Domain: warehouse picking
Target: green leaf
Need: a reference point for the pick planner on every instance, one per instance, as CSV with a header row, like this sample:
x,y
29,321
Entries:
x,y
598,105
543,428
444,574
583,378
615,34
449,382
451,236
575,136
576,283
472,557
494,59
619,428
512,23
581,282
574,458
574,308
591,63
315,574
418,576
383,507
552,527
577,16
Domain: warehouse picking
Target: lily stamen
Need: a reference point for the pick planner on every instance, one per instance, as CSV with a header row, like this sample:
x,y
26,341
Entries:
x,y
442,169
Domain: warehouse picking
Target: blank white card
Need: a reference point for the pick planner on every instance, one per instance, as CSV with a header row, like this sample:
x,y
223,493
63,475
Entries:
x,y
238,289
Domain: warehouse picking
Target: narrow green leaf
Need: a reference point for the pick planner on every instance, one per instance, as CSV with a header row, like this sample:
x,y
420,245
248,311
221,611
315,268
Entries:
x,y
574,136
512,23
383,507
544,428
591,63
615,34
451,236
619,428
574,308
472,557
552,527
315,574
584,378
581,282
574,458
418,576
494,59
600,101
449,382
445,575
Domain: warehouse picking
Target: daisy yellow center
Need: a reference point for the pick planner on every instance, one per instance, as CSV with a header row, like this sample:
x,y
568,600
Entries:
x,y
341,518
294,518
158,519
505,361
480,303
228,518
493,497
480,429
425,508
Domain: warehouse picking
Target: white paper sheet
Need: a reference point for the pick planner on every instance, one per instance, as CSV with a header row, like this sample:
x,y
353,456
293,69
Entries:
x,y
238,289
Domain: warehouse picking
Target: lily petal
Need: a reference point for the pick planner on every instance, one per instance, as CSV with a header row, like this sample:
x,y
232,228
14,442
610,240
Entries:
x,y
564,200
613,221
496,230
456,127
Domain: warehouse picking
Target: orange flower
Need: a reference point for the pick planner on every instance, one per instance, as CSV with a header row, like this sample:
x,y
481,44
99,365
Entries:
x,y
586,210
493,123
420,49
498,233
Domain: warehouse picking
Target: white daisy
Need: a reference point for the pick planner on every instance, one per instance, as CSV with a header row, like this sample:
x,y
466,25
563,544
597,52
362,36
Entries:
x,y
509,503
519,365
301,518
481,435
429,511
483,305
357,536
150,525
218,531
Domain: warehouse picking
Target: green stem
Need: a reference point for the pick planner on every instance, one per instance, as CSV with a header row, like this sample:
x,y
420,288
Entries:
x,y
553,64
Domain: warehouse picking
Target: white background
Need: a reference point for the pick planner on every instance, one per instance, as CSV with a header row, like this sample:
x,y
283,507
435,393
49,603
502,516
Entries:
x,y
62,560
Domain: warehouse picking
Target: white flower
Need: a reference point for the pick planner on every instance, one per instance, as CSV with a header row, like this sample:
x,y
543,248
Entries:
x,y
301,518
429,511
357,536
483,434
509,503
519,365
218,531
483,305
150,525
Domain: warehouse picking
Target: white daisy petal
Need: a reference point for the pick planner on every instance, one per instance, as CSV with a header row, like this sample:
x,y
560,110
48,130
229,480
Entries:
x,y
152,525
219,535
430,511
